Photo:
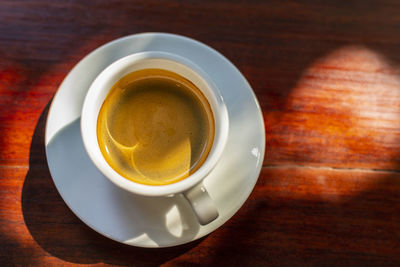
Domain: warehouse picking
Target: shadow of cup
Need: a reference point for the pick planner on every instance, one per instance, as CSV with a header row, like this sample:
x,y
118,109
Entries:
x,y
59,232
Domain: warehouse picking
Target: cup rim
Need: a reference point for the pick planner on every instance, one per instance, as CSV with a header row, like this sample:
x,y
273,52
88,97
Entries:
x,y
91,144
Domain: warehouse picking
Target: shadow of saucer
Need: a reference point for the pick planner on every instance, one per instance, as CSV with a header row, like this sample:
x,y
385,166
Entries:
x,y
60,233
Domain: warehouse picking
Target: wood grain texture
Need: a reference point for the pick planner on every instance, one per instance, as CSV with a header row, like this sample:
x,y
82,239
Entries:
x,y
327,76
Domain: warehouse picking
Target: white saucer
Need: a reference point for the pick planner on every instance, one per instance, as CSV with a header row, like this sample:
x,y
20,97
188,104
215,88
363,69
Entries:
x,y
145,221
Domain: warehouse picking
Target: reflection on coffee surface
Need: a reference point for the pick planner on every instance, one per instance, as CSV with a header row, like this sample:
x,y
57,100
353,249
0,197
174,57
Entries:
x,y
155,127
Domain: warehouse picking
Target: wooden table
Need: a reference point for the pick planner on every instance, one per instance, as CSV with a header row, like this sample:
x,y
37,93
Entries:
x,y
327,76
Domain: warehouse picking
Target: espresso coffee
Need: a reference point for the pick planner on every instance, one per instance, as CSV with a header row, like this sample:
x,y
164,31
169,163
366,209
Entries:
x,y
155,127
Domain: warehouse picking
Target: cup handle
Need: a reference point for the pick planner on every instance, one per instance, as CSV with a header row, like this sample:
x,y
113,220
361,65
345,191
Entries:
x,y
202,204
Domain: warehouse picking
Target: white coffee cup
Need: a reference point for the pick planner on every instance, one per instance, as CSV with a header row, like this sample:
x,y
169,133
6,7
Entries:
x,y
192,186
